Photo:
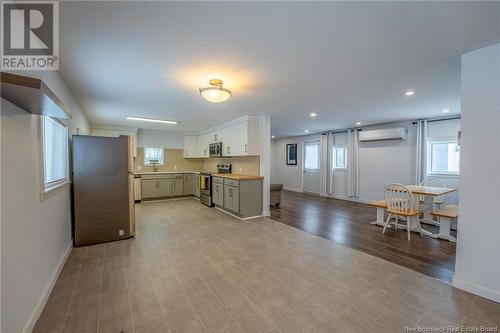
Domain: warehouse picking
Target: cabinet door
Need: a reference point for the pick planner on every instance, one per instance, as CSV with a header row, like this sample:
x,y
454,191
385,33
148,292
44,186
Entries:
x,y
178,186
149,189
218,195
164,187
188,184
235,196
197,185
228,200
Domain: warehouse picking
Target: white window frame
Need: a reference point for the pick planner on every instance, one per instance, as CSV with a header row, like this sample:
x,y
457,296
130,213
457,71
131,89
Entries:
x,y
162,156
49,189
334,160
432,141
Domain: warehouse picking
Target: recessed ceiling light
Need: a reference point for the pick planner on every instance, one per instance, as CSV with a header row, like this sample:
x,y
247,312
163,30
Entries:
x,y
410,93
312,114
306,131
358,123
272,136
153,120
446,110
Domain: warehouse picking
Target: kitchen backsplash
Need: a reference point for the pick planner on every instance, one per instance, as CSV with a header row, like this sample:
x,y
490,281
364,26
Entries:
x,y
174,161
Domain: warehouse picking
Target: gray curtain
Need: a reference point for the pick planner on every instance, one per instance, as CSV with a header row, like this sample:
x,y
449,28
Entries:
x,y
421,152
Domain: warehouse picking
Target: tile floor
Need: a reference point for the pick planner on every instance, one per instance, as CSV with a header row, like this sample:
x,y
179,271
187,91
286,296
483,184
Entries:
x,y
194,269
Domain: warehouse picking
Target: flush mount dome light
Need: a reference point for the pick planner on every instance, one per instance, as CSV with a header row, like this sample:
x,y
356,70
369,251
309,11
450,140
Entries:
x,y
215,93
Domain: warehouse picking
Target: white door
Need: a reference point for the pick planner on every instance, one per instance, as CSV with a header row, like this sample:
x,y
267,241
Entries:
x,y
311,167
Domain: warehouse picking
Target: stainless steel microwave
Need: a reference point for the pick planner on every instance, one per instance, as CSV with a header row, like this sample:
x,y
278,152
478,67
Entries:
x,y
215,149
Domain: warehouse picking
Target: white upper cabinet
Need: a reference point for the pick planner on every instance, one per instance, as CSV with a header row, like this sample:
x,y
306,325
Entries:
x,y
191,146
239,138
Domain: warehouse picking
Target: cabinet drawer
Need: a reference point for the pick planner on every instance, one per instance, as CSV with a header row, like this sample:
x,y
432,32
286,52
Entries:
x,y
231,182
217,180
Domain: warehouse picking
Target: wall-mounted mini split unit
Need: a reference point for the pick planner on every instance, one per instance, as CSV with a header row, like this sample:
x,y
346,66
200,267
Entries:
x,y
400,133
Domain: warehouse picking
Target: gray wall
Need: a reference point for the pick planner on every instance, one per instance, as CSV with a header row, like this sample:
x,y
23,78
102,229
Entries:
x,y
35,234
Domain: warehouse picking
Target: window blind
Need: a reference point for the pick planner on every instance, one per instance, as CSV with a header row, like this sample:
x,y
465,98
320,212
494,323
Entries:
x,y
55,151
444,157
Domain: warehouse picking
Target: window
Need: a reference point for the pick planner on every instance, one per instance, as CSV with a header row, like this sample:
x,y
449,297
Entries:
x,y
311,156
339,158
444,157
55,154
153,154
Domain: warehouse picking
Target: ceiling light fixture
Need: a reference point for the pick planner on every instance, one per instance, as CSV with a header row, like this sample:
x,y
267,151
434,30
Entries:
x,y
153,120
410,93
215,93
306,131
312,114
272,136
446,110
358,123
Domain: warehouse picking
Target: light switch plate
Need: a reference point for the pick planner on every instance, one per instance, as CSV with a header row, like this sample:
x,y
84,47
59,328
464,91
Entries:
x,y
121,232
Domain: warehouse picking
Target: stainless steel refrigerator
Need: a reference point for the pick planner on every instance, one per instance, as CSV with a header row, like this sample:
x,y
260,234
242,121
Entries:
x,y
103,185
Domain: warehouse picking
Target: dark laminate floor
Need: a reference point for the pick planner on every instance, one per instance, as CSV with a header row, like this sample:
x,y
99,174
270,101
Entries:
x,y
348,223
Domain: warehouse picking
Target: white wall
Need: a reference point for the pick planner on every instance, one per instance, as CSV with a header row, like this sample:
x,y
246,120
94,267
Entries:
x,y
35,235
478,247
380,162
160,139
288,175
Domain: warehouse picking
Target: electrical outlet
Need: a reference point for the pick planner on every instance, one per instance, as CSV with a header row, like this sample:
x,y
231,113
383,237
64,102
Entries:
x,y
121,232
240,170
175,167
205,167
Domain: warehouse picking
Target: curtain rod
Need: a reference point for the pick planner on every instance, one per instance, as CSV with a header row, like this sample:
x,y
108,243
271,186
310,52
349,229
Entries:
x,y
430,120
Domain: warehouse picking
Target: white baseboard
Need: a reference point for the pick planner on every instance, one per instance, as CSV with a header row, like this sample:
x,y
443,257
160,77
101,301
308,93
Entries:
x,y
488,293
37,311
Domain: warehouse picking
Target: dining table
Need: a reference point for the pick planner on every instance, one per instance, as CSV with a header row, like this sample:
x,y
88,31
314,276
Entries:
x,y
428,193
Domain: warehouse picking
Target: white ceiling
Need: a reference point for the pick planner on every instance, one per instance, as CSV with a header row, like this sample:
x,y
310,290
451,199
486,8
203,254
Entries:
x,y
347,62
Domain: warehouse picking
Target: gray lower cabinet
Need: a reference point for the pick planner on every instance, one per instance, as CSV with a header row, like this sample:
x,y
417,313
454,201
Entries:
x,y
196,180
232,198
218,194
156,188
243,197
178,185
188,184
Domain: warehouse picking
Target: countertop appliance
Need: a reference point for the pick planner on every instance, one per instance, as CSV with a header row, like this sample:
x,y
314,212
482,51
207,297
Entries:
x,y
224,168
215,149
206,189
103,189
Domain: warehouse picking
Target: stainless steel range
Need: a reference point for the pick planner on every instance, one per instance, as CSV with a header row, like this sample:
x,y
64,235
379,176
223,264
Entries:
x,y
206,189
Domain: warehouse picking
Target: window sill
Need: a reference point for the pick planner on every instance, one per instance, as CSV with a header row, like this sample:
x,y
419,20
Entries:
x,y
444,175
51,191
339,169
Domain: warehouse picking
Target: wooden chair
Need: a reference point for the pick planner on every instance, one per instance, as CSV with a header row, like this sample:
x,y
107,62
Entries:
x,y
434,182
400,201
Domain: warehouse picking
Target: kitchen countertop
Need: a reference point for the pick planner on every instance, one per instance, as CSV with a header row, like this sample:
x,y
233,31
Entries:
x,y
236,176
140,173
